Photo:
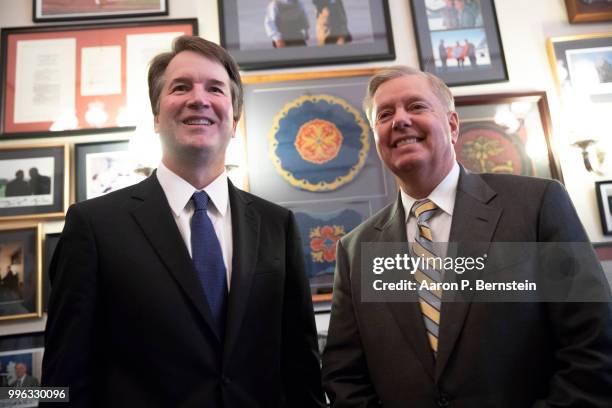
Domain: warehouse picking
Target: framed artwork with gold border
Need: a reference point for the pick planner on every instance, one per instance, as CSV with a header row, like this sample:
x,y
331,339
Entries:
x,y
310,148
586,11
507,133
20,271
33,181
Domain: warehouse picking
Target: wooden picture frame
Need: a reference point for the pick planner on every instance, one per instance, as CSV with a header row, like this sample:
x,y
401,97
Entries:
x,y
359,31
20,270
33,181
462,48
507,133
66,10
78,79
330,190
587,11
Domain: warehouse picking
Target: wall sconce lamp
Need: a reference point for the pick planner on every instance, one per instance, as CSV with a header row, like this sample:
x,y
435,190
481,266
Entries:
x,y
600,155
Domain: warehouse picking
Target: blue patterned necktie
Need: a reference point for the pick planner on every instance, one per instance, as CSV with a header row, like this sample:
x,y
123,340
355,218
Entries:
x,y
208,260
430,301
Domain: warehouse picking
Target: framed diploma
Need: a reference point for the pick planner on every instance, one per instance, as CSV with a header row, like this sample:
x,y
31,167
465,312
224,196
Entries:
x,y
64,10
80,79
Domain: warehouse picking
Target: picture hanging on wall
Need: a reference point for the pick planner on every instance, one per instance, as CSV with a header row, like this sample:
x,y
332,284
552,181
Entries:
x,y
273,34
586,11
459,41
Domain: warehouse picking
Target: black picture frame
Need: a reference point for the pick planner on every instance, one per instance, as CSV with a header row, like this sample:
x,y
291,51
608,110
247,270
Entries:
x,y
243,34
33,195
20,269
81,78
119,169
56,11
472,43
50,243
604,203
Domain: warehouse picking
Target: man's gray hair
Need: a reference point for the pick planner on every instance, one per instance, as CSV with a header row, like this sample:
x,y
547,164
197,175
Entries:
x,y
437,85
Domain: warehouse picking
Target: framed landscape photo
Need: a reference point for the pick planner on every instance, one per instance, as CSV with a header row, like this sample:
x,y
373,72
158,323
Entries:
x,y
507,133
310,149
604,202
585,11
33,182
101,168
80,79
64,10
459,41
26,349
274,34
20,271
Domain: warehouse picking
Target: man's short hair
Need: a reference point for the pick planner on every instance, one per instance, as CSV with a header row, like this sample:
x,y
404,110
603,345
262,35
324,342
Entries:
x,y
208,50
438,86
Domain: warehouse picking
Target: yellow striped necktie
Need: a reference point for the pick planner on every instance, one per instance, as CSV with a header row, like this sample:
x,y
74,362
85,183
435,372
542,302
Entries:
x,y
429,299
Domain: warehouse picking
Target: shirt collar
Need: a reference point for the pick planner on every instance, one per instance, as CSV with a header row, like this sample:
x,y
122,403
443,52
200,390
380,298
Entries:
x,y
178,191
443,195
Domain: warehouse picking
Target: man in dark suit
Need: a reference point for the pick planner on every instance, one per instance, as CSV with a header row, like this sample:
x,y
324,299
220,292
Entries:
x,y
39,184
140,314
23,379
427,352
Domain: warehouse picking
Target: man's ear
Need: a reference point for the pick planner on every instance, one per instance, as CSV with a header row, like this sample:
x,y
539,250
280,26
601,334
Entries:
x,y
234,127
156,123
453,122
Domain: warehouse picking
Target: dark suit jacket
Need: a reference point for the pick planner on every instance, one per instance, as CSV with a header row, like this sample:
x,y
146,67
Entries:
x,y
28,381
129,324
513,354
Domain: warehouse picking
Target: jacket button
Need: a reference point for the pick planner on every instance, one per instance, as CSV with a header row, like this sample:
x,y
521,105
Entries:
x,y
443,401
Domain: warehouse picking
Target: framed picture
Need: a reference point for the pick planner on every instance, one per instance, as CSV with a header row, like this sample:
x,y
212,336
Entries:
x,y
584,11
310,148
33,182
604,254
103,167
507,133
604,202
459,41
583,64
80,79
49,244
274,34
20,271
19,353
64,10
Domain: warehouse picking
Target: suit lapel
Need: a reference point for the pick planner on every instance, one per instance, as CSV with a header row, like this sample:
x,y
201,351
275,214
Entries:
x,y
245,237
473,225
407,315
154,216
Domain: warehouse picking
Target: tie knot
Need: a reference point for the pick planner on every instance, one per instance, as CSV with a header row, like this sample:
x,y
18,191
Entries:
x,y
200,200
424,209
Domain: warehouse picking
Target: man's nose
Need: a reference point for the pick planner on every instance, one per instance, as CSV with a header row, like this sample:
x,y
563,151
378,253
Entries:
x,y
401,120
198,98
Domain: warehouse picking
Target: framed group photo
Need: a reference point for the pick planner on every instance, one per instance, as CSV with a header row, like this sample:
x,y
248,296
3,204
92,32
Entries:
x,y
586,11
103,167
65,10
20,271
320,160
459,41
33,182
275,34
79,79
507,133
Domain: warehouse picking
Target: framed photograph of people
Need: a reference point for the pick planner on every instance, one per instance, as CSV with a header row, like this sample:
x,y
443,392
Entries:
x,y
33,182
288,33
20,271
309,148
64,10
459,41
507,133
583,63
586,11
80,79
103,167
21,364
604,202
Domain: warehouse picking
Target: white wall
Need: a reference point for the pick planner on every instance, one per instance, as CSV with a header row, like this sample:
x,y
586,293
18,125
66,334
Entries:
x,y
524,25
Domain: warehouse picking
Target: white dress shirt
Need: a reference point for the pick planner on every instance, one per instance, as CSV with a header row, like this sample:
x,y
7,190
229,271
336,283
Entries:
x,y
178,193
444,197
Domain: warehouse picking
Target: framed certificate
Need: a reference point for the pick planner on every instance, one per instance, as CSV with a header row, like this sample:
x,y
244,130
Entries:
x,y
79,79
64,10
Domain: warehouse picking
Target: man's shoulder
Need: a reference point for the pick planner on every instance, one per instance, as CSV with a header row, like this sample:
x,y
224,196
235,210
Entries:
x,y
369,228
261,205
510,184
